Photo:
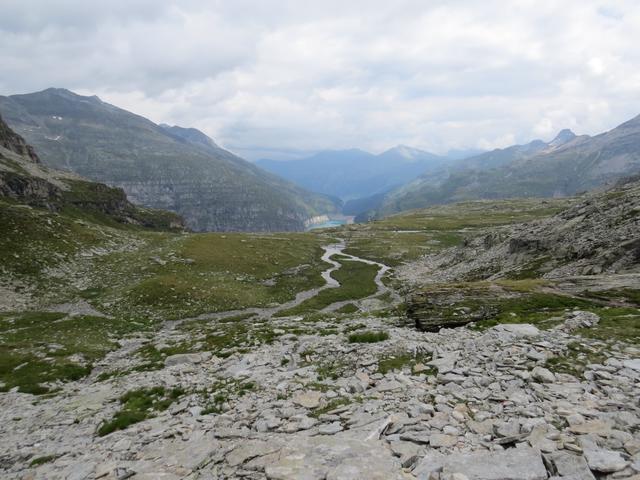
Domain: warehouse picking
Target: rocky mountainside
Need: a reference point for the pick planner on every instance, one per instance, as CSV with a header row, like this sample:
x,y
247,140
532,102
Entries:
x,y
164,167
352,174
25,180
597,235
567,165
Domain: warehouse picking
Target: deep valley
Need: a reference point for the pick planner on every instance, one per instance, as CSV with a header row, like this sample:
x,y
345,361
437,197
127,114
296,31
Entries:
x,y
490,339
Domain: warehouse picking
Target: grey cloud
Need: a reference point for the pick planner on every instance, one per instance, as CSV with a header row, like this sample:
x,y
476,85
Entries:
x,y
297,76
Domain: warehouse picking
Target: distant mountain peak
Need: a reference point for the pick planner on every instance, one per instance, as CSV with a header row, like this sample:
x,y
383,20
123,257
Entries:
x,y
406,151
410,154
189,135
65,94
564,136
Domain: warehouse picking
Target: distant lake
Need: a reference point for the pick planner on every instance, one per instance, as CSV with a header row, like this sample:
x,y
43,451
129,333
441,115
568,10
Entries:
x,y
329,224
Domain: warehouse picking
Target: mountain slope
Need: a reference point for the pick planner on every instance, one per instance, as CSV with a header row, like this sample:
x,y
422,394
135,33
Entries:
x,y
597,235
351,174
158,166
23,179
565,166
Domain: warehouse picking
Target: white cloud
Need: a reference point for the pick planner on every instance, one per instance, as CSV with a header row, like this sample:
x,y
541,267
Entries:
x,y
310,75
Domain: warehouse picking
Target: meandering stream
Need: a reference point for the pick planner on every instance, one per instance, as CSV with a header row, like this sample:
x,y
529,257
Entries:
x,y
330,282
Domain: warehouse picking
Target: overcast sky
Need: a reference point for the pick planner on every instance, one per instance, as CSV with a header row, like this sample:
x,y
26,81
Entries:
x,y
308,75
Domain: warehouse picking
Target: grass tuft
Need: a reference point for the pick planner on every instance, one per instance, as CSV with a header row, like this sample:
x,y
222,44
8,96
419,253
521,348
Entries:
x,y
368,337
138,405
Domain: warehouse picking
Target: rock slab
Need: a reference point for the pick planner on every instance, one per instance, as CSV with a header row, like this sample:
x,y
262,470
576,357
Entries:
x,y
511,464
338,457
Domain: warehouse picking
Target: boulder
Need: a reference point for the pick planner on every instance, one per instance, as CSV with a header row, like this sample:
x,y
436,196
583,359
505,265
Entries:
x,y
566,464
542,375
579,319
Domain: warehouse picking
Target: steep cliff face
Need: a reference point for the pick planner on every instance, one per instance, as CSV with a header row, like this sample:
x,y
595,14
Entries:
x,y
164,167
25,180
13,142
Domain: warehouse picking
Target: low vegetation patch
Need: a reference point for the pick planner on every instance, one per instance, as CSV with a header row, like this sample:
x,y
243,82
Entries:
x,y
42,460
402,360
348,309
368,337
138,405
407,236
575,360
38,349
219,394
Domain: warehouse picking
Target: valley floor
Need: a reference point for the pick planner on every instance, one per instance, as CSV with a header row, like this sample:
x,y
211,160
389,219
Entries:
x,y
193,357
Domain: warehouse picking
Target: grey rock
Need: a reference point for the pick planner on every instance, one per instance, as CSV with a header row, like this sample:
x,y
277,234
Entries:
x,y
579,319
338,457
566,464
439,440
512,464
309,399
543,375
186,358
330,429
633,364
512,331
604,461
430,464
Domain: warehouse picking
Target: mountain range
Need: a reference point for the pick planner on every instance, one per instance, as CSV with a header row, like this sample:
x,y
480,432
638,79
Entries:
x,y
184,171
565,166
352,174
159,166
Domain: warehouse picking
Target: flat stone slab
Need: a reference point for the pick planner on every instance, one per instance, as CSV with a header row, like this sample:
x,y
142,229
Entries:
x,y
633,364
515,330
605,461
338,457
510,464
186,358
310,399
569,464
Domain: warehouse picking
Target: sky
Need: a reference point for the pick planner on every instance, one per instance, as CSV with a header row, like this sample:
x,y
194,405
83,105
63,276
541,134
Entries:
x,y
281,79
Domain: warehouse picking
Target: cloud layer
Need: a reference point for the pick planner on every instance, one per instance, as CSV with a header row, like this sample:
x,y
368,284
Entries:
x,y
264,77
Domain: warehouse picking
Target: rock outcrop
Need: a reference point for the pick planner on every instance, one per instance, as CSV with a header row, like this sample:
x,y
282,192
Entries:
x,y
598,235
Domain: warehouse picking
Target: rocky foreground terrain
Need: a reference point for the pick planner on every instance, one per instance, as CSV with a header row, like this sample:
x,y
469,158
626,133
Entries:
x,y
449,405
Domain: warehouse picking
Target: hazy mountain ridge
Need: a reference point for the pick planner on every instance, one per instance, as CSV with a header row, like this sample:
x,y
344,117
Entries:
x,y
567,165
159,166
353,174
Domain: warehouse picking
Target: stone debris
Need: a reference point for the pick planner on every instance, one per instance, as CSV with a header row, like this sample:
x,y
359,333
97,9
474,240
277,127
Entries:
x,y
488,407
579,319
